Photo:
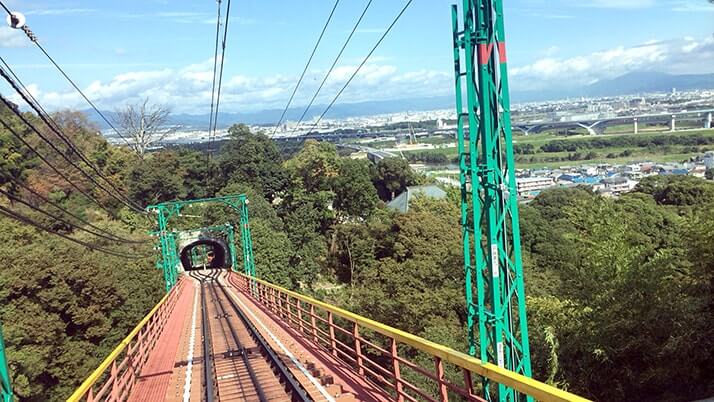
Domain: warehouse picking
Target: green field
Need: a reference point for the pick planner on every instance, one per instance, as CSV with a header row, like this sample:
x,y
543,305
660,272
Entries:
x,y
618,154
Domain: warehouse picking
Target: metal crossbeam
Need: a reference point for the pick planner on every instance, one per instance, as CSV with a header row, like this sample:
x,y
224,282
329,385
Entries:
x,y
489,198
167,239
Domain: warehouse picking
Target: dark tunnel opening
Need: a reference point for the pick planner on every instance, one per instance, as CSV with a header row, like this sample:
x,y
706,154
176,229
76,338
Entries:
x,y
214,253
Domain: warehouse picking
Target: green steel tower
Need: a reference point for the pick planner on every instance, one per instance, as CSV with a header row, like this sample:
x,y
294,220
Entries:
x,y
5,385
489,196
167,239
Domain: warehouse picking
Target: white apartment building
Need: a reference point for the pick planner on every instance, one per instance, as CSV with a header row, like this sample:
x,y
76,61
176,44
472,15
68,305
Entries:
x,y
530,184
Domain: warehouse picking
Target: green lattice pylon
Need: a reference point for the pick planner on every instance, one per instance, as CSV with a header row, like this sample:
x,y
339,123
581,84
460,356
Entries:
x,y
489,197
5,384
167,239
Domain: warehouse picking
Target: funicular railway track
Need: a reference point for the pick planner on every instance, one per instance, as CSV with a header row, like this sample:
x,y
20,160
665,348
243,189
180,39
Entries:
x,y
239,364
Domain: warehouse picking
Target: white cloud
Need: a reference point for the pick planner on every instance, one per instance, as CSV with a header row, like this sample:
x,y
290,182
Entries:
x,y
674,56
12,38
188,89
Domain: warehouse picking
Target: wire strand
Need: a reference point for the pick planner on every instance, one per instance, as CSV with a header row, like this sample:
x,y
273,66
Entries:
x,y
59,152
73,215
52,125
59,219
23,219
54,169
220,73
307,65
384,35
213,86
332,67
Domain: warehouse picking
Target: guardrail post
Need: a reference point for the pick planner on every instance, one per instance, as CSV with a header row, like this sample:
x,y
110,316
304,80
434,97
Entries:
x,y
358,349
289,310
272,299
298,305
333,344
468,383
314,324
90,395
114,379
395,370
279,304
443,391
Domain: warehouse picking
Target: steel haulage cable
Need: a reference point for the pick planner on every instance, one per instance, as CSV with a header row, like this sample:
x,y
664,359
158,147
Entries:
x,y
309,60
384,35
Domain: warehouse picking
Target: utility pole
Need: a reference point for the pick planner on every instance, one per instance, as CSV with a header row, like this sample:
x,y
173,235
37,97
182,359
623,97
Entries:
x,y
489,197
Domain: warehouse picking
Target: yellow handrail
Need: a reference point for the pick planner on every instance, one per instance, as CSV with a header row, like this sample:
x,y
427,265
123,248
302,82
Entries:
x,y
539,390
96,374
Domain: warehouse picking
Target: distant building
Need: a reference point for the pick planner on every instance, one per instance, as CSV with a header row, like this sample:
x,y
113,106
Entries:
x,y
709,160
401,202
528,185
615,185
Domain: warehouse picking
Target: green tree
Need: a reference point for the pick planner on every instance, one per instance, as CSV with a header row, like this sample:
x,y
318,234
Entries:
x,y
253,158
159,178
354,193
316,165
392,176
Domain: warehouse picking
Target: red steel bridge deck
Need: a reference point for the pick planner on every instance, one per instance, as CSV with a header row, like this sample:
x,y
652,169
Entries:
x,y
222,336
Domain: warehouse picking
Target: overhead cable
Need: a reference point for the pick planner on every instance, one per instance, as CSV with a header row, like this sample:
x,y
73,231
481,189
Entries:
x,y
9,105
54,168
384,35
23,219
57,218
34,40
73,215
20,88
307,65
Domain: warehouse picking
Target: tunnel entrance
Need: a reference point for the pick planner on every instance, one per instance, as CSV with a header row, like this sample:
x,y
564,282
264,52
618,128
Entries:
x,y
205,253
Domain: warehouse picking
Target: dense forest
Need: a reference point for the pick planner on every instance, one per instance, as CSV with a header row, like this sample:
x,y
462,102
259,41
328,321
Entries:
x,y
620,291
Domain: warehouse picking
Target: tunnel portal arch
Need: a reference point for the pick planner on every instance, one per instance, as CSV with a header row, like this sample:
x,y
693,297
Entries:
x,y
222,253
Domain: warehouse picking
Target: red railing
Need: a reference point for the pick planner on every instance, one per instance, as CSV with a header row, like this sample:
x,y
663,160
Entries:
x,y
410,368
114,379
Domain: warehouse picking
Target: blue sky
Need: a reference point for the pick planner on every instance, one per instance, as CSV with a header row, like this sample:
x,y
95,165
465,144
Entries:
x,y
121,51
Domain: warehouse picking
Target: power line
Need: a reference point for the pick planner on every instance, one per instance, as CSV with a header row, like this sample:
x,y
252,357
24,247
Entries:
x,y
58,219
54,169
58,151
307,65
384,35
217,88
23,219
22,90
213,86
332,67
34,40
73,215
220,73
215,68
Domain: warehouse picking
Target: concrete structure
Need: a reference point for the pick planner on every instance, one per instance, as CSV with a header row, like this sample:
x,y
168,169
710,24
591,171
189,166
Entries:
x,y
401,202
533,184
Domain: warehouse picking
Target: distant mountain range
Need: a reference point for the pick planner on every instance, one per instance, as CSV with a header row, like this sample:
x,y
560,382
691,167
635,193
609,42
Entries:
x,y
628,84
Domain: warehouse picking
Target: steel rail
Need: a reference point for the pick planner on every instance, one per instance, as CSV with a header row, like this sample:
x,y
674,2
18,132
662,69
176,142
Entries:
x,y
297,390
208,361
234,335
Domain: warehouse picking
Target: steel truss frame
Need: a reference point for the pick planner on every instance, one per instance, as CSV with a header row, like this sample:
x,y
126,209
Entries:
x,y
489,197
167,239
5,384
